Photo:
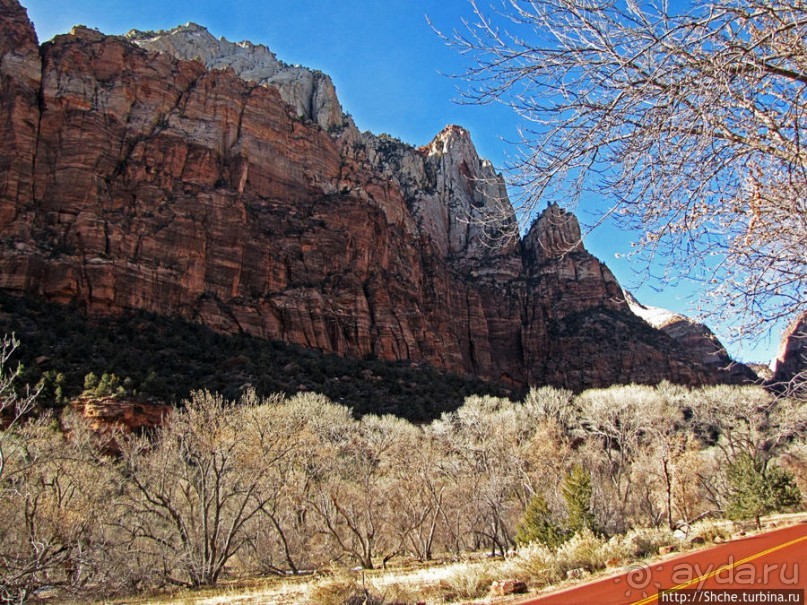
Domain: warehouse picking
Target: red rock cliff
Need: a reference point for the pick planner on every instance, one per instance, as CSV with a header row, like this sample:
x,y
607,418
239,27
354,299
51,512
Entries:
x,y
136,179
790,366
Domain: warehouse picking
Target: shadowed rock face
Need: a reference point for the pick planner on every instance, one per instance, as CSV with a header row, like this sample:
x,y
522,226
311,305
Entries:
x,y
244,199
697,339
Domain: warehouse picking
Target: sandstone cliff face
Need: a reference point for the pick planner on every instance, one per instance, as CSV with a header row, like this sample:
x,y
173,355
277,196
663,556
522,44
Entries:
x,y
310,93
459,200
696,338
20,76
244,199
791,361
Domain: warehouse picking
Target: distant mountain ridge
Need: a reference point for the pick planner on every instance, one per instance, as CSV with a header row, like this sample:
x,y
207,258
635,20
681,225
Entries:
x,y
696,337
232,190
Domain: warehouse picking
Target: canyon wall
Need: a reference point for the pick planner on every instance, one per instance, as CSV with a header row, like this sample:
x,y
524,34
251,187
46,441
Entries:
x,y
184,175
790,365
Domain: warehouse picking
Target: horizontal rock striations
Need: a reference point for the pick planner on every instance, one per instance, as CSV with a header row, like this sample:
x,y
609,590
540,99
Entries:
x,y
184,175
310,93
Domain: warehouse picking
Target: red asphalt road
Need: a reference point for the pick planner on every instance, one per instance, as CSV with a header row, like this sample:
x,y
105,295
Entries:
x,y
776,559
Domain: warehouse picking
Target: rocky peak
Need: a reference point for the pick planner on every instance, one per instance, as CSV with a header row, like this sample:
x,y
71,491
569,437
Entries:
x,y
311,93
554,234
458,200
453,139
469,205
560,269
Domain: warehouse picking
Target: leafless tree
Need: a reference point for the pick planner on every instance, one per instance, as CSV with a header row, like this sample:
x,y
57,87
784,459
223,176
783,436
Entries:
x,y
623,424
418,489
490,449
352,498
13,404
55,499
191,494
750,421
690,120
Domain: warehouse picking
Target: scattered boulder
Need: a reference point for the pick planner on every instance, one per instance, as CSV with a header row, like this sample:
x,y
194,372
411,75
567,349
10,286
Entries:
x,y
576,574
503,588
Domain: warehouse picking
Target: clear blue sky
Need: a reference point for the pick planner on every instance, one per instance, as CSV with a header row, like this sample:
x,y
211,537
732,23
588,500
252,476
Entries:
x,y
391,74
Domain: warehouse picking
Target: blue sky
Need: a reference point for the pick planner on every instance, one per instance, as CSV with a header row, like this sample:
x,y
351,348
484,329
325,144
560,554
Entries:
x,y
391,73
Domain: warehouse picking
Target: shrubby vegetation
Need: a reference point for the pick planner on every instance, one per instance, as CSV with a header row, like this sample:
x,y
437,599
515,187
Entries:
x,y
283,484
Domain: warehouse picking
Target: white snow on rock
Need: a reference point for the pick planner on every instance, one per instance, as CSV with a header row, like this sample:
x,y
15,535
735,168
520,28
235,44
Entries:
x,y
655,316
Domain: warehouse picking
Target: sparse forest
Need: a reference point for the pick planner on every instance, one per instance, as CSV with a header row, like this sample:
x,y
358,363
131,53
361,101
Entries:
x,y
286,484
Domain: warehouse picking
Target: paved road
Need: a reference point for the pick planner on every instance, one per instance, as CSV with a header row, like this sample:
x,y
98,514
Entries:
x,y
773,560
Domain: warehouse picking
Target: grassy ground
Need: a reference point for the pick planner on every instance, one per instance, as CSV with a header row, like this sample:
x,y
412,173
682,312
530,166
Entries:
x,y
441,582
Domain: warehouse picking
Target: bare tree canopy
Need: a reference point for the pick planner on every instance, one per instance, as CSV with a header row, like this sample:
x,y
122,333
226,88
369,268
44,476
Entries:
x,y
689,118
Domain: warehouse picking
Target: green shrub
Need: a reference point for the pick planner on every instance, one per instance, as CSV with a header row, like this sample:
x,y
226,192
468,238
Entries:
x,y
537,525
577,492
52,388
756,491
90,382
109,385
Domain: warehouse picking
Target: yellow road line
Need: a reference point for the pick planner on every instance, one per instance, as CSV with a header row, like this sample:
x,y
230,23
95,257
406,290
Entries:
x,y
705,577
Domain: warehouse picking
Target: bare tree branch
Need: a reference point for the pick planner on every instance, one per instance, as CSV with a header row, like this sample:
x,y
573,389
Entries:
x,y
690,122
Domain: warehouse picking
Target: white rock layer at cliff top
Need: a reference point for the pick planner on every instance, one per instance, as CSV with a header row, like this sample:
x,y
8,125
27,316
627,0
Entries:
x,y
310,92
461,201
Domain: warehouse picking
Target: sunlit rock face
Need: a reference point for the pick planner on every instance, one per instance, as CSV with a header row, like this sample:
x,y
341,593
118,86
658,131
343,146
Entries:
x,y
791,361
310,93
185,175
